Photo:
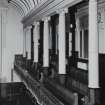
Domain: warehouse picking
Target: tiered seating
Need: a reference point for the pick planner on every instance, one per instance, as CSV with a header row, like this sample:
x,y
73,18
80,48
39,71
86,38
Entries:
x,y
78,81
43,95
37,89
68,97
15,94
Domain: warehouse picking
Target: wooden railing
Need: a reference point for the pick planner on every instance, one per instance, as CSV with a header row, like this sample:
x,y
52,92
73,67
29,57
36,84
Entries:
x,y
37,89
68,97
42,93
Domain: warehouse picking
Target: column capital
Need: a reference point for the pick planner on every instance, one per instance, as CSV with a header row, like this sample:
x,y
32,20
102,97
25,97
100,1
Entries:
x,y
35,23
92,0
77,23
24,29
28,27
62,11
46,19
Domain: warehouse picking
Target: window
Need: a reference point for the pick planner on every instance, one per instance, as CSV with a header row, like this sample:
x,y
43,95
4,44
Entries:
x,y
84,43
83,36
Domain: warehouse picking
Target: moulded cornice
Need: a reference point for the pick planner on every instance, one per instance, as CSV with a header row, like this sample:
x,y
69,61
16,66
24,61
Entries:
x,y
62,11
46,19
35,23
49,8
36,10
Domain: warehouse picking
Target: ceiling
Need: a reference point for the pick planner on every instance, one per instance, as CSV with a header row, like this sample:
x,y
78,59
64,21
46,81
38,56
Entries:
x,y
24,6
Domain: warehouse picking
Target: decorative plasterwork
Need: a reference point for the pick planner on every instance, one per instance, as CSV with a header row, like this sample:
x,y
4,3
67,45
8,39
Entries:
x,y
49,8
25,6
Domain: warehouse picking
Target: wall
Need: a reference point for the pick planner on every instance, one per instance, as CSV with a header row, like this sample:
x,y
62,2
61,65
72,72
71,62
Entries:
x,y
13,43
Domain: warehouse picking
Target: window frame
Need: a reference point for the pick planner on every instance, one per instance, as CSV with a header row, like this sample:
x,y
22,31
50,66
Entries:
x,y
82,56
81,12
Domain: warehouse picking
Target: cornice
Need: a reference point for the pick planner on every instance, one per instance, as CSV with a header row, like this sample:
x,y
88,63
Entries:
x,y
48,8
36,10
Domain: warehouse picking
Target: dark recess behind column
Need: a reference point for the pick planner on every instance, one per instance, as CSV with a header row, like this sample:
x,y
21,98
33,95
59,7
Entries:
x,y
73,58
73,22
102,76
53,24
41,43
67,33
32,43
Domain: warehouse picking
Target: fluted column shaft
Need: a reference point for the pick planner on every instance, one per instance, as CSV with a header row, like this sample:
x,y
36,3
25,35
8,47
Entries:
x,y
29,42
0,49
46,43
24,42
36,38
61,43
93,46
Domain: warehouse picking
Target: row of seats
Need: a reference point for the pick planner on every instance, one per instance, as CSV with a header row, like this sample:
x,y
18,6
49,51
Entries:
x,y
15,94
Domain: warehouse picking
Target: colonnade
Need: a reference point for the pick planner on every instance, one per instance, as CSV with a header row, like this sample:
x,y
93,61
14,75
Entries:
x,y
93,43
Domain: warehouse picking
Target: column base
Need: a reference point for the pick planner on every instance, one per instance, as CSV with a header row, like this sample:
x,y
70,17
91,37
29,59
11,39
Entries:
x,y
52,73
35,66
28,64
46,71
74,58
24,62
94,96
62,79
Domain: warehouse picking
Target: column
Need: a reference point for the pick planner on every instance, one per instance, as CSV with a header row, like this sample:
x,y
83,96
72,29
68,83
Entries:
x,y
29,42
46,46
36,33
36,38
61,42
46,43
93,46
62,46
77,35
93,73
24,42
0,49
28,48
